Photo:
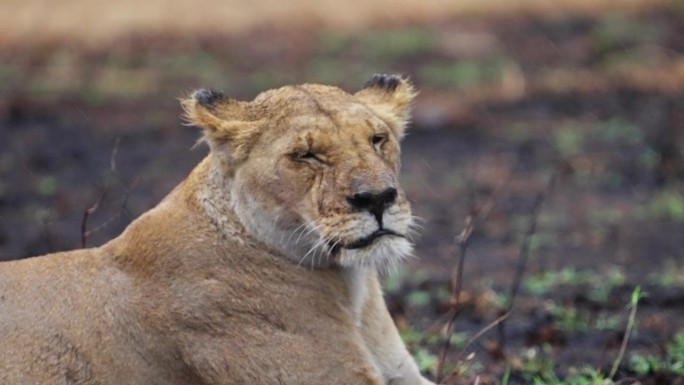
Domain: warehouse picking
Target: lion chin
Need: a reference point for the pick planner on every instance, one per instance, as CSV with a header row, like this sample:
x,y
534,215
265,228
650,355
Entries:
x,y
384,253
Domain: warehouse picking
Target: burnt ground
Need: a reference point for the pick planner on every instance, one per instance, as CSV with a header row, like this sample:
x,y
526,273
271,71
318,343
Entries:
x,y
593,103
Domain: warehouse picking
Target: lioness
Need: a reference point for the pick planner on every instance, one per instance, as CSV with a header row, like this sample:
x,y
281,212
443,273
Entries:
x,y
260,268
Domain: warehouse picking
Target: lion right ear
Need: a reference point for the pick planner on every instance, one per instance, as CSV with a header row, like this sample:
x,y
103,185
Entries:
x,y
390,97
226,122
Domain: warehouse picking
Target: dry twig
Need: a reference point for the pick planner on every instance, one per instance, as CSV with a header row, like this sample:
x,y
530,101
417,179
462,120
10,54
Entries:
x,y
86,214
85,233
462,240
524,253
636,296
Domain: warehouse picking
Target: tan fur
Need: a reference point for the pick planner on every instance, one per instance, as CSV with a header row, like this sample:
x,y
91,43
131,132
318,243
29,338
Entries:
x,y
247,272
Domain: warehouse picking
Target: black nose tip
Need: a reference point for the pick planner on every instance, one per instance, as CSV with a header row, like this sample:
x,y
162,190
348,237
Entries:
x,y
373,202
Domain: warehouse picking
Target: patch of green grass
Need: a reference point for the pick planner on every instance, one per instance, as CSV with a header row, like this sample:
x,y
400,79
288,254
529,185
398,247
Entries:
x,y
540,284
392,283
570,318
538,365
539,369
418,298
330,69
48,185
568,140
586,376
671,362
649,158
394,44
464,73
425,360
333,43
114,82
619,129
617,32
669,204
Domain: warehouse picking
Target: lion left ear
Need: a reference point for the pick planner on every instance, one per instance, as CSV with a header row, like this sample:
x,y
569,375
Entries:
x,y
227,124
390,97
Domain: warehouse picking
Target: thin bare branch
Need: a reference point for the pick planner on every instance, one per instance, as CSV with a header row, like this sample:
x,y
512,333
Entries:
x,y
112,157
523,254
85,233
482,332
476,216
636,296
456,284
114,217
86,214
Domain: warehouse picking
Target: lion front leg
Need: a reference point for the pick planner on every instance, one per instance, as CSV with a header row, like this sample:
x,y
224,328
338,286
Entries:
x,y
383,341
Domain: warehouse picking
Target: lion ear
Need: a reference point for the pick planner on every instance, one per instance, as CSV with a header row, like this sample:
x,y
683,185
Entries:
x,y
390,97
227,125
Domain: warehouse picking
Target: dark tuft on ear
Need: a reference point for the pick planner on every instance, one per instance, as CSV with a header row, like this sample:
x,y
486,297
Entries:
x,y
207,97
384,81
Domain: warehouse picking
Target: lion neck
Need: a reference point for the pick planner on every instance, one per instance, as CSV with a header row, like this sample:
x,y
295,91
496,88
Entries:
x,y
209,187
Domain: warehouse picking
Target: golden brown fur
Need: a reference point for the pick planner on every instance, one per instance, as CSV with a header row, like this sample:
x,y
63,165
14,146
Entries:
x,y
259,268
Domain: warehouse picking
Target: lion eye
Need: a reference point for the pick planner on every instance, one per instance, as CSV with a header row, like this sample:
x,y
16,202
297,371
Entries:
x,y
307,155
378,139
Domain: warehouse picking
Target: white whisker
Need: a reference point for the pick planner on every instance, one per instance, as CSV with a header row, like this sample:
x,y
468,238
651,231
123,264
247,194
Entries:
x,y
313,248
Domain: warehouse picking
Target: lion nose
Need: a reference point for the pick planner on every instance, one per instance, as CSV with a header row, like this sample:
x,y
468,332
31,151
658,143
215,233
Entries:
x,y
373,201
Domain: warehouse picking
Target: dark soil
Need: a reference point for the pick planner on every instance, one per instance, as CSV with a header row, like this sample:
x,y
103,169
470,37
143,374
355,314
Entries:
x,y
612,140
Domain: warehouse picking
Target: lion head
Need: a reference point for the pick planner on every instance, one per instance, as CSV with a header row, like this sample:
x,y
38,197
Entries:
x,y
314,170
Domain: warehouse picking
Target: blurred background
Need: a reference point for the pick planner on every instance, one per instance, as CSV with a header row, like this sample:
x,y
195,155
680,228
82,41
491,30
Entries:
x,y
558,127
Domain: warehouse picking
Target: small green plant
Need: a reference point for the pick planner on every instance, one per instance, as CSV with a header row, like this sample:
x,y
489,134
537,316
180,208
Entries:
x,y
587,376
616,31
568,141
668,204
569,318
48,185
599,283
425,360
538,365
671,362
619,130
675,354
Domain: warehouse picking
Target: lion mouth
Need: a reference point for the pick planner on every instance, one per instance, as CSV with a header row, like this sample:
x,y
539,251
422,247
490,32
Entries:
x,y
367,241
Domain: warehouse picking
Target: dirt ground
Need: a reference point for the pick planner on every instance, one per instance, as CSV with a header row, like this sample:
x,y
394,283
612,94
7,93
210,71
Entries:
x,y
578,113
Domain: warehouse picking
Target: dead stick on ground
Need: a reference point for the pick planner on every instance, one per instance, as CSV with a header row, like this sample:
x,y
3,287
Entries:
x,y
92,209
636,296
86,214
457,273
456,276
112,157
524,253
114,217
